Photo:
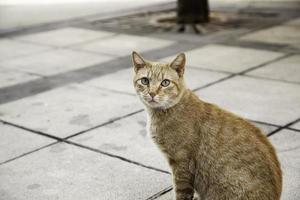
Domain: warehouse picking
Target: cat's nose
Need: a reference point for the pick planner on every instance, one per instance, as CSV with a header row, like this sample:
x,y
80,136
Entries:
x,y
152,94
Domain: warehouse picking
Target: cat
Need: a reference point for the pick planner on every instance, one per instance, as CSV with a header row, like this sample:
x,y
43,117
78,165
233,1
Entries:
x,y
213,153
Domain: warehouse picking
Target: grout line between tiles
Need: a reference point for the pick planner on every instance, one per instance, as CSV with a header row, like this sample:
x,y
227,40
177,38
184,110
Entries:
x,y
214,82
283,127
207,69
264,123
265,63
116,156
32,130
27,153
243,72
292,129
103,124
160,193
271,79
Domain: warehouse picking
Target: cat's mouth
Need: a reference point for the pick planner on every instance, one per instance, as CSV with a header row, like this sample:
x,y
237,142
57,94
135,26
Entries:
x,y
152,101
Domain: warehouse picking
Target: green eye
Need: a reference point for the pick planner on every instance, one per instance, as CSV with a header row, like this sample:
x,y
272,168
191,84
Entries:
x,y
165,83
145,81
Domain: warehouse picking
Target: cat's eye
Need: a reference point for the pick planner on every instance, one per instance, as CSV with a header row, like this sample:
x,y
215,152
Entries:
x,y
165,83
145,81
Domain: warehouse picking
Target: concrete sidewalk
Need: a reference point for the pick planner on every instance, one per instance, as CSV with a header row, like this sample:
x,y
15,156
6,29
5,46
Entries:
x,y
17,15
71,126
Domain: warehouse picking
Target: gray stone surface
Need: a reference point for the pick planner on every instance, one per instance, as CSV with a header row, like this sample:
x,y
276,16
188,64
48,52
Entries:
x,y
256,99
15,142
17,14
287,145
9,77
286,141
287,69
227,58
296,126
196,78
67,172
67,110
10,48
127,138
291,176
285,34
122,45
54,62
121,81
64,37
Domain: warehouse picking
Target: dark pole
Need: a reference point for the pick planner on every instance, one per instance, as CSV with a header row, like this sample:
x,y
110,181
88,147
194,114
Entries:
x,y
192,12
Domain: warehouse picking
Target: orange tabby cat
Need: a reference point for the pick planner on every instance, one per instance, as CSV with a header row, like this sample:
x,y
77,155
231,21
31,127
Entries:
x,y
211,152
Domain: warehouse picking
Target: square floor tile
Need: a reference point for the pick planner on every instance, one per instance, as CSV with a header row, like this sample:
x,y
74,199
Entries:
x,y
10,48
227,58
15,142
287,69
64,37
256,99
285,35
68,172
287,143
68,110
122,81
10,77
127,138
54,62
123,45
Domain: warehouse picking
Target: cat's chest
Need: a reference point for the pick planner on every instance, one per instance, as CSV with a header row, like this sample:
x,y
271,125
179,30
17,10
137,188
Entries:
x,y
156,127
160,132
153,129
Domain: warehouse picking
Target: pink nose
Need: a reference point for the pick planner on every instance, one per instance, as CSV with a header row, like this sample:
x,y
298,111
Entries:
x,y
152,94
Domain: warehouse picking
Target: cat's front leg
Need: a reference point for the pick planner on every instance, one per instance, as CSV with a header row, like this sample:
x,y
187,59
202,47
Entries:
x,y
183,180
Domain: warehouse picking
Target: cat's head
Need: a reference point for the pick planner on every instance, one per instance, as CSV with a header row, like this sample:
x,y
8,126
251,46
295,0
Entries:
x,y
159,85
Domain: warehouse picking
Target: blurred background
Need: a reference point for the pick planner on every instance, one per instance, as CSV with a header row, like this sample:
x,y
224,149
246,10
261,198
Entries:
x,y
71,126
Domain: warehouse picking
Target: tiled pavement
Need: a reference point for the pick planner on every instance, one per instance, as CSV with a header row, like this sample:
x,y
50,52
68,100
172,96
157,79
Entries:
x,y
72,128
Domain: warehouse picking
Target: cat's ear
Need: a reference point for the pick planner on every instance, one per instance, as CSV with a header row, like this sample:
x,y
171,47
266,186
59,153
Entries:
x,y
138,61
178,64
